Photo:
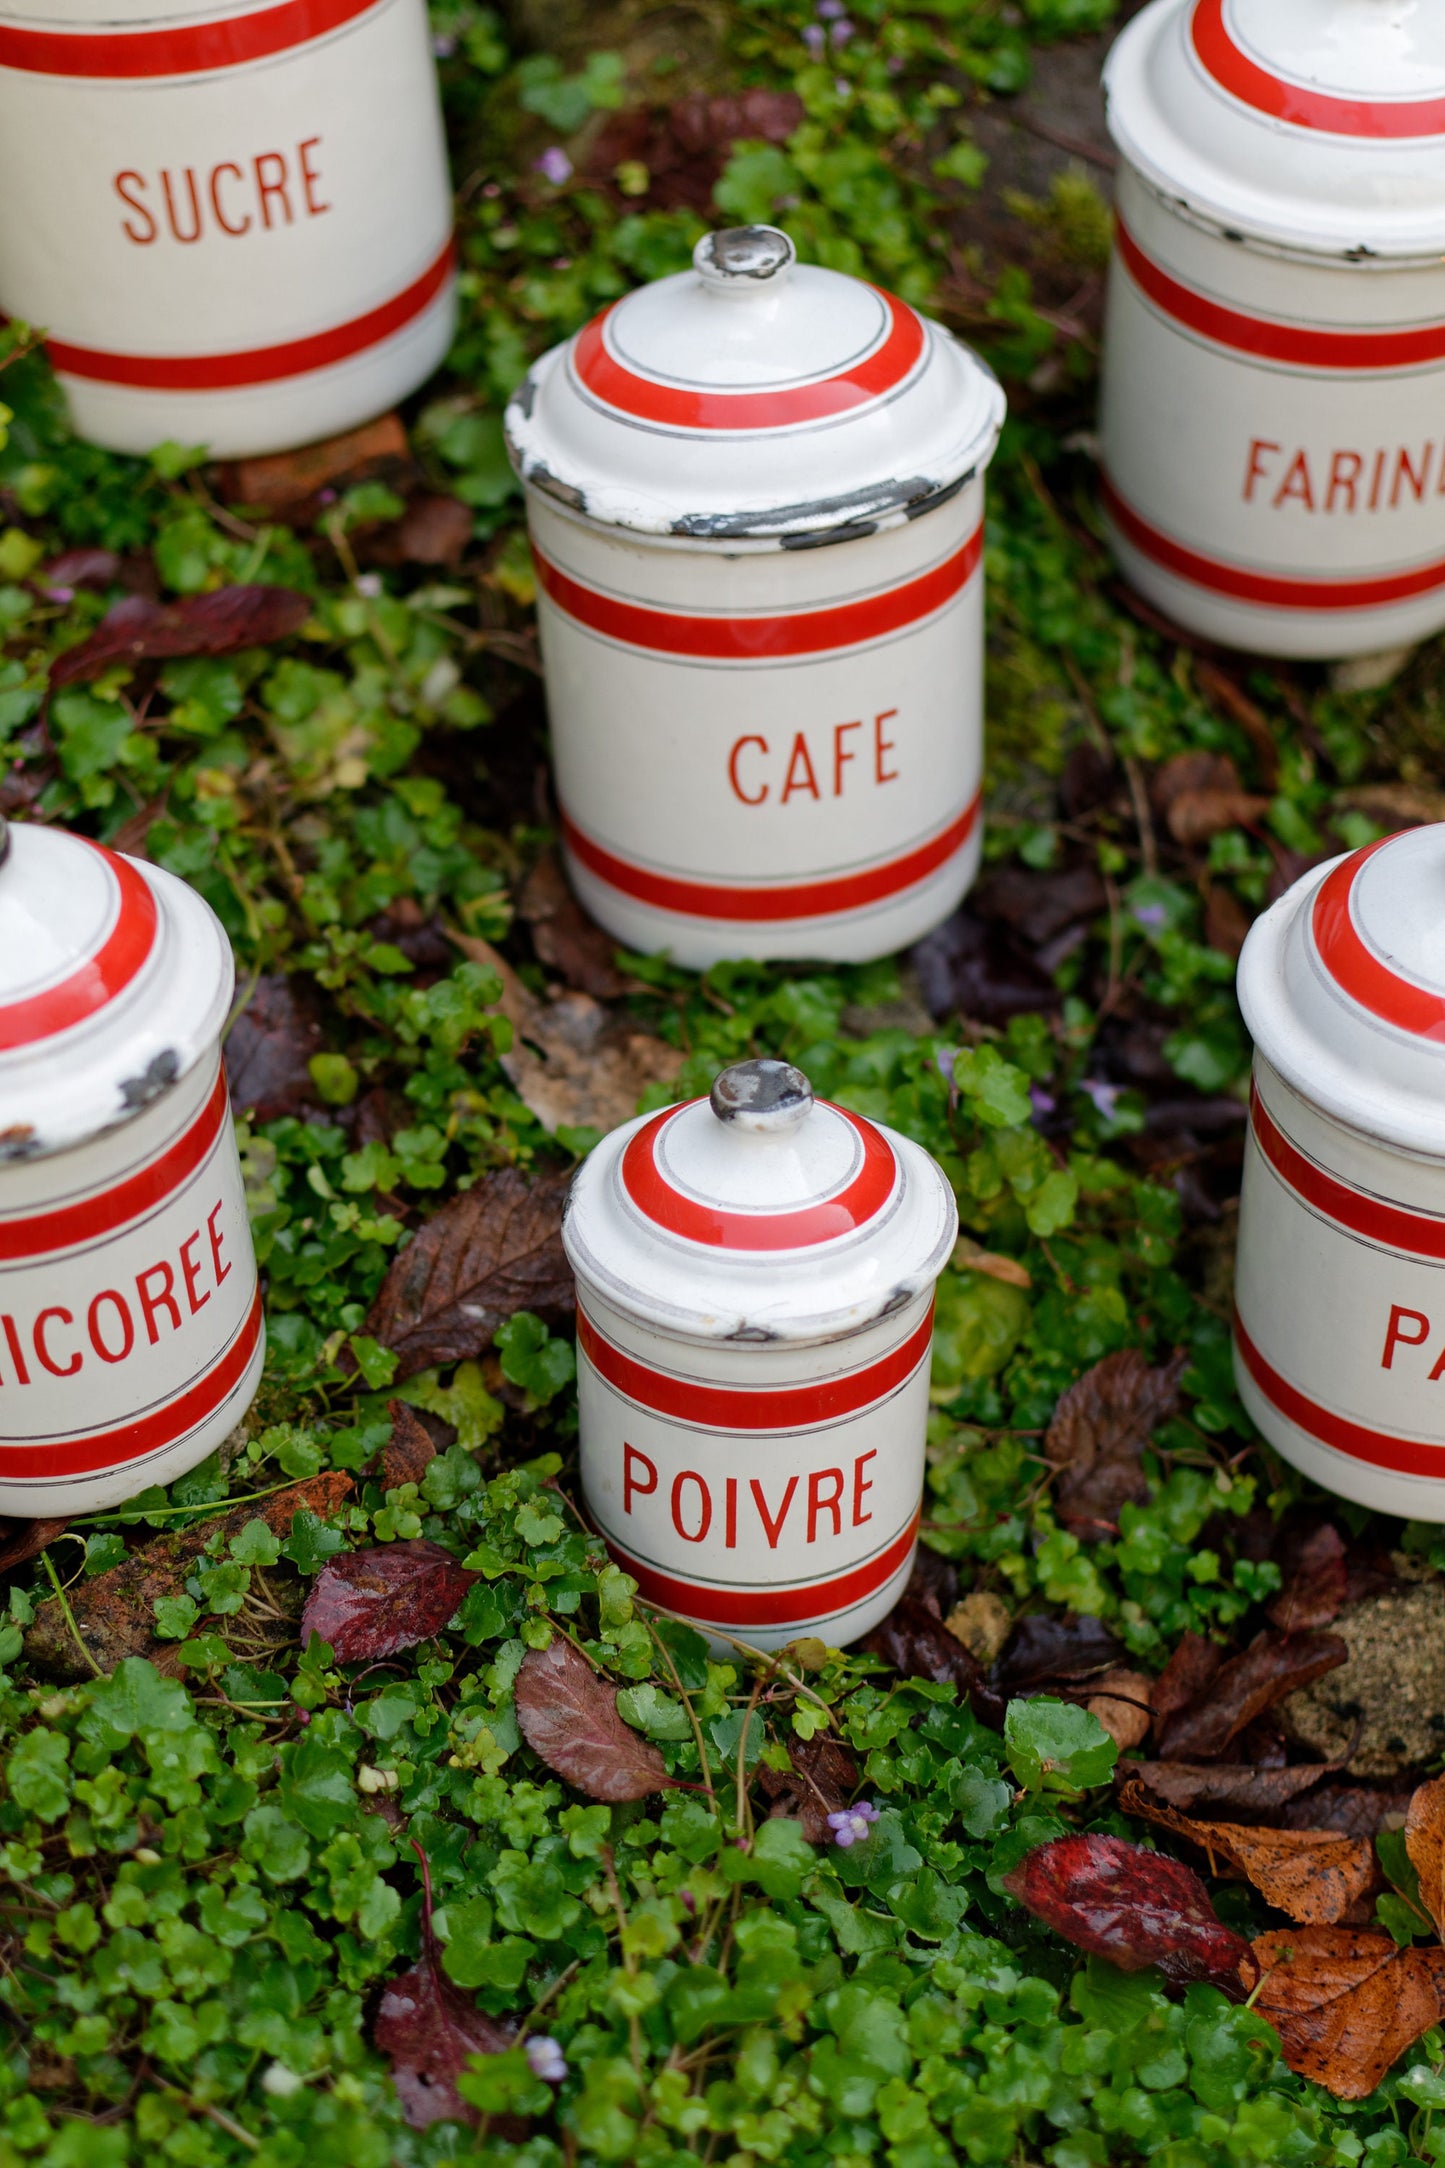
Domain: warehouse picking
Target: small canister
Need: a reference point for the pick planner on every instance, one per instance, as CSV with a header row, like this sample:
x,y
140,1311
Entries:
x,y
755,1276
1273,405
131,1338
232,220
1340,1285
755,492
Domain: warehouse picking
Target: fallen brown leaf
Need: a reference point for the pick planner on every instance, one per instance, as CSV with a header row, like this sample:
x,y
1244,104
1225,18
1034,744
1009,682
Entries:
x,y
1242,1689
268,1048
1226,1787
287,482
434,530
20,1541
970,1256
1357,1810
1317,1582
1346,2002
1314,1875
567,1714
982,1622
1099,1431
1226,922
1425,1843
139,630
566,940
1049,1648
1120,1702
1196,816
493,1250
1194,1663
409,1451
429,2030
917,1644
821,1779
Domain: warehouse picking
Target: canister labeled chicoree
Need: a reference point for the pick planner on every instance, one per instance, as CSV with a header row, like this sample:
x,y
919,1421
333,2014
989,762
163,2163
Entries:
x,y
1273,406
1340,1285
755,1277
130,1317
232,219
755,492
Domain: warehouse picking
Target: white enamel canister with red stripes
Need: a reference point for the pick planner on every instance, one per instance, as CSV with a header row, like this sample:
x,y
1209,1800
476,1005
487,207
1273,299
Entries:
x,y
1273,407
755,1276
130,1318
231,217
1340,1286
756,501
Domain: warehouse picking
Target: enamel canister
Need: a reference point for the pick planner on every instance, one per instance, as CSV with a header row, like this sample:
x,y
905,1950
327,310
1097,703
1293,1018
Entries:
x,y
130,1317
755,1276
231,218
755,492
1273,406
1340,1284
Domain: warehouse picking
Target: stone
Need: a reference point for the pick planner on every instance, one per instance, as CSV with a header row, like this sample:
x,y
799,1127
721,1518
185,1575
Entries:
x,y
1392,1689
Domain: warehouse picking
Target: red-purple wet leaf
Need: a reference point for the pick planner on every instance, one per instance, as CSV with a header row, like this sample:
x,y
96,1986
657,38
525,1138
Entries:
x,y
371,1603
139,630
568,1716
429,2030
1134,1907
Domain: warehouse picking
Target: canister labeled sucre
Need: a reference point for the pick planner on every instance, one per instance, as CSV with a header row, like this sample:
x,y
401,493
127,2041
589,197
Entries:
x,y
755,493
232,220
755,1276
1274,370
131,1338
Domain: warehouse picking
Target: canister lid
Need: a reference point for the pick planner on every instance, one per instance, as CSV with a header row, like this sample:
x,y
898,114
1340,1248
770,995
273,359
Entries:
x,y
754,396
1317,124
759,1214
1342,983
115,979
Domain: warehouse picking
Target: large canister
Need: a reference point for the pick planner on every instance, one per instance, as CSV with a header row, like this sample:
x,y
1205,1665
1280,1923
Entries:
x,y
1340,1286
755,492
232,219
131,1338
755,1276
1273,410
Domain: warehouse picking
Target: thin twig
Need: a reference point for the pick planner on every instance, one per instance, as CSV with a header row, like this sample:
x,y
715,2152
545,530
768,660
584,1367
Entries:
x,y
64,1601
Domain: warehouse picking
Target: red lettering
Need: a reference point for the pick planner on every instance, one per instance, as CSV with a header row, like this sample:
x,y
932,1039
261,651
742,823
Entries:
x,y
17,1353
772,1528
730,1538
841,757
630,1483
191,1271
800,777
1376,478
818,1504
704,1495
222,1272
222,221
310,176
92,1326
42,1350
141,240
1394,1336
860,1488
1296,486
1340,480
195,232
150,1303
1405,473
266,189
738,791
882,745
1256,471
1439,1370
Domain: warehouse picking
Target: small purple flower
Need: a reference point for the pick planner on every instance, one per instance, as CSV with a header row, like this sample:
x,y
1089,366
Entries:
x,y
554,165
369,584
1041,1101
58,594
545,2059
1105,1096
850,1825
945,1058
443,45
830,11
842,31
1152,915
894,64
842,86
326,496
814,37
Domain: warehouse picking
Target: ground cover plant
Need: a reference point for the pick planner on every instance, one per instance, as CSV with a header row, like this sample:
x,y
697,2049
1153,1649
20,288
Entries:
x,y
353,1811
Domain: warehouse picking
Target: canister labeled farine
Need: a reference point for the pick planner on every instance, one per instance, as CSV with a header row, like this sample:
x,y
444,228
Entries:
x,y
232,219
1340,1284
1274,371
755,492
755,1276
131,1337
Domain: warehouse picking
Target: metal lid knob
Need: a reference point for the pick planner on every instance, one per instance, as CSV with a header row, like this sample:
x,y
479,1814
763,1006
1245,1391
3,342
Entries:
x,y
743,258
764,1098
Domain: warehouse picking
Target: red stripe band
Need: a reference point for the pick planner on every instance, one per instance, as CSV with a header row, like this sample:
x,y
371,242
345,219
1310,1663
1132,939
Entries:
x,y
728,1607
758,639
165,1426
852,1208
59,1229
257,364
1407,1456
1313,349
781,1408
1264,588
1254,86
681,407
1388,1224
141,55
764,904
118,960
1358,972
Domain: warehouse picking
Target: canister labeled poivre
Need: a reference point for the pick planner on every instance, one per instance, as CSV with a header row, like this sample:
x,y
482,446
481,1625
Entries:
x,y
131,1338
232,220
755,1277
1273,404
755,492
1340,1284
